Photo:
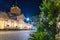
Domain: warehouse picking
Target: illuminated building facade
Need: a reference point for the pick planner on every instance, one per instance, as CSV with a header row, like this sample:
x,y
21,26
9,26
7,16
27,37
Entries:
x,y
7,22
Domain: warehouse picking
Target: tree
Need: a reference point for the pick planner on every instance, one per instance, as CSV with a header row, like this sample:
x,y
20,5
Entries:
x,y
46,27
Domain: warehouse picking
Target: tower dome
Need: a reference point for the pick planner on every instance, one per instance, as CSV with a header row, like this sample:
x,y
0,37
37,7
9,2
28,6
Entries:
x,y
15,10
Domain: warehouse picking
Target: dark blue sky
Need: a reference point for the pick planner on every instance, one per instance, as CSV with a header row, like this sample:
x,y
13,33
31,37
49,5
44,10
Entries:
x,y
28,7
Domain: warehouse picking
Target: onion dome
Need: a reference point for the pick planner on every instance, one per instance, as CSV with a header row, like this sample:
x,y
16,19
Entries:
x,y
15,10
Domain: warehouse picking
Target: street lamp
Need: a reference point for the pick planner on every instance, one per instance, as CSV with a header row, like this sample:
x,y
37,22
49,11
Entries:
x,y
27,19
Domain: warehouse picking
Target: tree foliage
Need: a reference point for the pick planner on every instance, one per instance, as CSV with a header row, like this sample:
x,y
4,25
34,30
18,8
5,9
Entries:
x,y
46,27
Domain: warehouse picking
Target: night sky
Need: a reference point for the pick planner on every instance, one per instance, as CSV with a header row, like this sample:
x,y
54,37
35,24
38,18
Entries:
x,y
29,7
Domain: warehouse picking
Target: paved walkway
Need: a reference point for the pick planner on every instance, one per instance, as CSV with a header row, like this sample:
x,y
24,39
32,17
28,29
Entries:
x,y
15,35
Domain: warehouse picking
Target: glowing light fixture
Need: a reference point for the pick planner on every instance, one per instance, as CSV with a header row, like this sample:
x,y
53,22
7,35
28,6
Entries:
x,y
27,19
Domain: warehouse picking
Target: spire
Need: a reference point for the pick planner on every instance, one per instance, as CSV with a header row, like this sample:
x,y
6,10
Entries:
x,y
16,3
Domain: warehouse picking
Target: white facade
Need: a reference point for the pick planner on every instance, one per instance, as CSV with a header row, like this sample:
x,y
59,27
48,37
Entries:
x,y
8,23
22,24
